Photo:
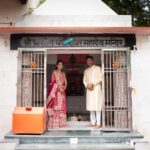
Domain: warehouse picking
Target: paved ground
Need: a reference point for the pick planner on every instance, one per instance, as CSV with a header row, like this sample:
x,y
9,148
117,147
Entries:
x,y
142,146
7,146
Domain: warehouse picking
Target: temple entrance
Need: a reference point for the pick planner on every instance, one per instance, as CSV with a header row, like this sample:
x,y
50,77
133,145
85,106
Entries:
x,y
35,67
74,66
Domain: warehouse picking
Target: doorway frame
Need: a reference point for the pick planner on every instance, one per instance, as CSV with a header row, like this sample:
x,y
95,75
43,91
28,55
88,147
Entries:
x,y
80,50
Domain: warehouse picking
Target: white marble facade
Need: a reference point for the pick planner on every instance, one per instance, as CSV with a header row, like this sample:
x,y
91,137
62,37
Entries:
x,y
64,13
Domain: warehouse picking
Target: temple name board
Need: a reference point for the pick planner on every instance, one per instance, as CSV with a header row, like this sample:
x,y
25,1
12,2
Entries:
x,y
75,41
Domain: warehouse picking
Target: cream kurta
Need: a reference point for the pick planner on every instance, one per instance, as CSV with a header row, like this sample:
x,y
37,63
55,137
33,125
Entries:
x,y
93,98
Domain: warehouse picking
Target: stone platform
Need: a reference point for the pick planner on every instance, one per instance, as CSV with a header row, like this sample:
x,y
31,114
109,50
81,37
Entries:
x,y
76,139
76,136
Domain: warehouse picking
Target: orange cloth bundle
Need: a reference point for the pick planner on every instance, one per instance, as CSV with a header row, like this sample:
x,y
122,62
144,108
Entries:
x,y
29,120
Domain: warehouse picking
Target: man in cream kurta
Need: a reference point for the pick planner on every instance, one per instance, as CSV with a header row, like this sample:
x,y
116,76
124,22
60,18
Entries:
x,y
92,81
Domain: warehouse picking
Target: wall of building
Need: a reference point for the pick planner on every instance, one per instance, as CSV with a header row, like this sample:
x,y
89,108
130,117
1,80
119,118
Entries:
x,y
12,11
8,61
140,64
8,80
73,7
140,81
70,13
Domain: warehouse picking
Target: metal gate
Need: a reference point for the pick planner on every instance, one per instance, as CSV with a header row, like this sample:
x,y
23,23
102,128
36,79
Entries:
x,y
31,85
116,94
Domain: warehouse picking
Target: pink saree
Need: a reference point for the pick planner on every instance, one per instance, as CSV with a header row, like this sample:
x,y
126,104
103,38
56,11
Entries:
x,y
56,106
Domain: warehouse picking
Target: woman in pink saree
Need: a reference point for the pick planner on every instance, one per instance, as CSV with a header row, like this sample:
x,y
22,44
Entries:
x,y
56,106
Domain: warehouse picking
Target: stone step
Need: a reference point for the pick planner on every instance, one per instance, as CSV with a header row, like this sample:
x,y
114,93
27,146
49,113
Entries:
x,y
81,136
36,146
